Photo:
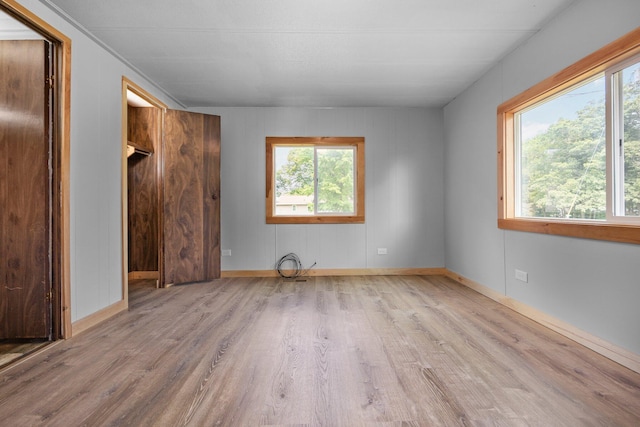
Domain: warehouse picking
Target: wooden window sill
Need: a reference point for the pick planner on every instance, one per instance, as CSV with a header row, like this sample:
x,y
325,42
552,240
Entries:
x,y
624,233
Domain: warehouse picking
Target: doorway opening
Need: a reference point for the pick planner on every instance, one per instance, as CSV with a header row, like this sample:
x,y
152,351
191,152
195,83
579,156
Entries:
x,y
34,183
142,116
170,193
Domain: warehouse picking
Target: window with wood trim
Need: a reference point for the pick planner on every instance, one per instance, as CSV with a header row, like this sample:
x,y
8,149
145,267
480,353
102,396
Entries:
x,y
569,149
314,180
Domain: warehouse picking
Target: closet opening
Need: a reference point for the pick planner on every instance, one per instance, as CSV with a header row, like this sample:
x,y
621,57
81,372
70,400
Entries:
x,y
142,195
171,193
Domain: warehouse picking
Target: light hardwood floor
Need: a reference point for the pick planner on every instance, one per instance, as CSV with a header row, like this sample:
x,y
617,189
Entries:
x,y
337,351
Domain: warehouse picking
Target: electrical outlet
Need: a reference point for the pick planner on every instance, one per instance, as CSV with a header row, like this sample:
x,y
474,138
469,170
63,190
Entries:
x,y
522,276
226,252
382,251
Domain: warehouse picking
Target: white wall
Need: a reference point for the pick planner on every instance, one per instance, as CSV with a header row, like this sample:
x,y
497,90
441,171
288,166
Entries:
x,y
404,183
12,29
592,285
96,236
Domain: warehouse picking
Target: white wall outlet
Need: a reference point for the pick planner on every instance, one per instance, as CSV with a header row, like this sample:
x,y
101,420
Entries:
x,y
522,276
382,251
226,252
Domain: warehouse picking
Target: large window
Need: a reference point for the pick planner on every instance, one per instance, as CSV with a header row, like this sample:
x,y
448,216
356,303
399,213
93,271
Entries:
x,y
569,149
561,156
315,180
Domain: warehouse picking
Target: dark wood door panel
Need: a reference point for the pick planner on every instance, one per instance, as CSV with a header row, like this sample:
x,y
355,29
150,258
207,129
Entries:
x,y
191,197
142,179
25,271
142,127
211,197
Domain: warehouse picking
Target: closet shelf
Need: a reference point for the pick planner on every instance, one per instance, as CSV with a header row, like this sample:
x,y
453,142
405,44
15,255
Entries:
x,y
133,148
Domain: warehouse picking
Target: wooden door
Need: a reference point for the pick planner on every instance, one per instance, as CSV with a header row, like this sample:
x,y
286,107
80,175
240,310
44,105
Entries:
x,y
191,180
142,190
25,189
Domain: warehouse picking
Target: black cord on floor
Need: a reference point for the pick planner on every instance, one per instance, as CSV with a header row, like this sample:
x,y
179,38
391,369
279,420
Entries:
x,y
297,269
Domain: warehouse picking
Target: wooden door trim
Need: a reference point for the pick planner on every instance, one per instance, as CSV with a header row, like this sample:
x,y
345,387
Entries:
x,y
91,320
129,85
61,282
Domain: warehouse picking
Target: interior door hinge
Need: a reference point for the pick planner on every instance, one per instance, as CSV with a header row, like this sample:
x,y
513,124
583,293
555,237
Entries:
x,y
49,81
49,296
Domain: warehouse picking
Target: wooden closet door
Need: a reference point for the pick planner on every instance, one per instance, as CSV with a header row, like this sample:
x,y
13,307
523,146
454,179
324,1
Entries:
x,y
191,179
142,190
25,188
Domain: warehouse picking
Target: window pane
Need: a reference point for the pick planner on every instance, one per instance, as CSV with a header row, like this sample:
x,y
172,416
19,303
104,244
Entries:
x,y
294,180
335,180
630,78
561,160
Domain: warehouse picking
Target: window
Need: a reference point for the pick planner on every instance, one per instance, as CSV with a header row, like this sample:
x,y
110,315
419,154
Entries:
x,y
560,154
315,180
625,91
569,149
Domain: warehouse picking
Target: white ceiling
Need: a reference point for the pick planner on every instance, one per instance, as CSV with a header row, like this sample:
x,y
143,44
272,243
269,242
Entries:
x,y
315,53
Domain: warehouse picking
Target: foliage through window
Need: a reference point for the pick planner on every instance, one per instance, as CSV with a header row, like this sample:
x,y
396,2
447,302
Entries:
x,y
626,140
562,157
569,149
315,180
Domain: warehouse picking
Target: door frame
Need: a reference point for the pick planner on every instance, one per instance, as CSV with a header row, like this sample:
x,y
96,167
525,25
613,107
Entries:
x,y
129,86
60,241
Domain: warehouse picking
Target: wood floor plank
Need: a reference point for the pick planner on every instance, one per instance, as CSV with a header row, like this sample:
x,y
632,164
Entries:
x,y
328,351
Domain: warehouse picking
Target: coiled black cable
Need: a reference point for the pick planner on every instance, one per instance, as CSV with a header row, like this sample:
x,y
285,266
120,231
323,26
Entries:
x,y
295,271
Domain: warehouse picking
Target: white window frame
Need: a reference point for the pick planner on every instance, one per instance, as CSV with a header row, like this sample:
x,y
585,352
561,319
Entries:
x,y
615,144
